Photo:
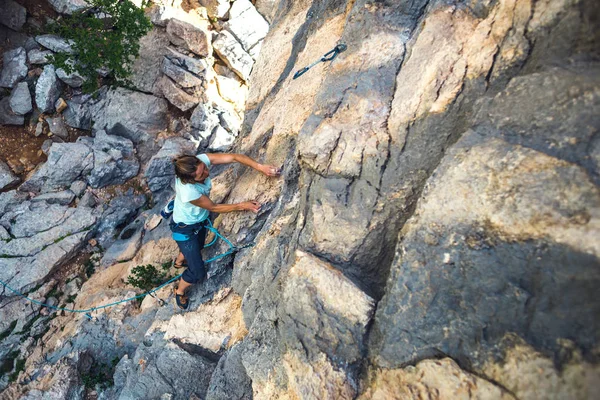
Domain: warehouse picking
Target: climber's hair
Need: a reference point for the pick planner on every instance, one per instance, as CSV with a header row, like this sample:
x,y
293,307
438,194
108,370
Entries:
x,y
185,168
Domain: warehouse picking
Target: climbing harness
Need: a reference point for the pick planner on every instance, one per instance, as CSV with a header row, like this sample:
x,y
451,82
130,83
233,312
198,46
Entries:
x,y
329,56
87,311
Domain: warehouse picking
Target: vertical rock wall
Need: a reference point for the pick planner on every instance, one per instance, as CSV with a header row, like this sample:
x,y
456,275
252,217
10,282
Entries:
x,y
439,202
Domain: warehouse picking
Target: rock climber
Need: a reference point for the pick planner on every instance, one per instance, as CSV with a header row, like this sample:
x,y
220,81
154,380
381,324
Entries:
x,y
191,209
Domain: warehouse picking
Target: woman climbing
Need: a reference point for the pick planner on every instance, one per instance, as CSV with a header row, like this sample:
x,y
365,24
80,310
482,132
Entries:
x,y
192,206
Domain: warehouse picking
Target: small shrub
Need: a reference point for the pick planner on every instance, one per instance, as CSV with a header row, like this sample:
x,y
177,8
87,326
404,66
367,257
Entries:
x,y
147,277
110,42
8,330
99,374
19,367
89,269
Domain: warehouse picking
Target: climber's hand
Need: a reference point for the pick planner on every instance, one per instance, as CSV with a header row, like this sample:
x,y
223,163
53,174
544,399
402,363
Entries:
x,y
253,206
270,170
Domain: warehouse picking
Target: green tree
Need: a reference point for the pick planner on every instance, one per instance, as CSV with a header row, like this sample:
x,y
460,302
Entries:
x,y
105,36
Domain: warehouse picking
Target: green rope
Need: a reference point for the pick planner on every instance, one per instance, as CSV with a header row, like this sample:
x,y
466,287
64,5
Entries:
x,y
87,311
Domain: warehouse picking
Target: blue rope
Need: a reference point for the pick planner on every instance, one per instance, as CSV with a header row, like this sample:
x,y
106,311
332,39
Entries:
x,y
87,311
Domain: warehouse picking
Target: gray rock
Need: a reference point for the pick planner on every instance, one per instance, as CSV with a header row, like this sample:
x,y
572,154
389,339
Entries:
x,y
230,379
159,172
267,8
126,245
7,178
39,129
114,161
188,36
68,6
120,210
8,200
77,114
133,115
47,143
194,65
64,197
78,187
232,53
55,43
182,77
37,56
7,117
47,89
87,200
14,67
12,15
74,79
57,127
66,163
40,216
230,122
20,99
176,96
221,140
246,24
4,235
146,68
216,8
169,370
205,118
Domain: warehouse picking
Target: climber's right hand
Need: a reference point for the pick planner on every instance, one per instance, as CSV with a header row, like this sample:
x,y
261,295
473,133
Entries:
x,y
253,206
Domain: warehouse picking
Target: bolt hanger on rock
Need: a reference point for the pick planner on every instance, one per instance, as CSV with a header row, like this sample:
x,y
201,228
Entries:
x,y
329,56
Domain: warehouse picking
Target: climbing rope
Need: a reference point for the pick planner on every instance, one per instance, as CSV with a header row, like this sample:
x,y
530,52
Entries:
x,y
87,311
329,56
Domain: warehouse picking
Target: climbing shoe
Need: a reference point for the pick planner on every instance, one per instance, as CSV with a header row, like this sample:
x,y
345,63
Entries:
x,y
168,210
181,300
179,266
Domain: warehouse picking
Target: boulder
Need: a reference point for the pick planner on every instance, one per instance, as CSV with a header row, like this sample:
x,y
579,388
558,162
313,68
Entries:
x,y
188,36
233,91
246,24
47,89
55,43
146,69
7,116
114,160
232,53
130,114
74,79
14,67
66,163
57,127
7,178
230,379
216,8
77,114
20,99
192,64
37,56
221,140
182,77
12,15
68,6
160,172
176,96
231,122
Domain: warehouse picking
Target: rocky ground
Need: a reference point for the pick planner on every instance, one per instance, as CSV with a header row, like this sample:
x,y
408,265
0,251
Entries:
x,y
433,234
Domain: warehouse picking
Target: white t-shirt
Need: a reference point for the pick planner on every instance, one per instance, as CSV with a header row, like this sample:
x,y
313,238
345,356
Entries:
x,y
185,211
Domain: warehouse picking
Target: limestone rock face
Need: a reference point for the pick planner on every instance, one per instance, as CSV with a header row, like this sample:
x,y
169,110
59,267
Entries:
x,y
7,177
160,172
146,68
68,6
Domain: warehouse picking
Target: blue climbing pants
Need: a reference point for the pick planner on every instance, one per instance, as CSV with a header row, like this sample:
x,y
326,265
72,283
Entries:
x,y
190,239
